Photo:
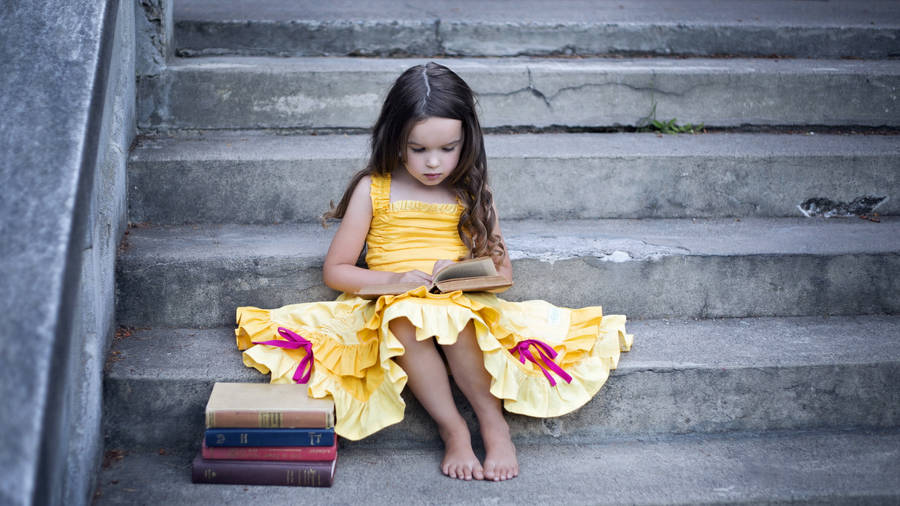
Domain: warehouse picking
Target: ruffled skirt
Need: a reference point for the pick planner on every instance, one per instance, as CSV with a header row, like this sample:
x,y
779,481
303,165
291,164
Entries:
x,y
353,350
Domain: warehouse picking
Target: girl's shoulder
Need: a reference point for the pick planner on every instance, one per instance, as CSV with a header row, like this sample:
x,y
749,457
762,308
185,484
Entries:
x,y
362,187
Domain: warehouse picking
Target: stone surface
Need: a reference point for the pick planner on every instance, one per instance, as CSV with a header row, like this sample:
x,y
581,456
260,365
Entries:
x,y
249,92
787,373
195,276
95,315
54,78
812,468
867,29
154,35
263,178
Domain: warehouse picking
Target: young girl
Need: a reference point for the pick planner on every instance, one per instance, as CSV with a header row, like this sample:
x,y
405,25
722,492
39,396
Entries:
x,y
421,203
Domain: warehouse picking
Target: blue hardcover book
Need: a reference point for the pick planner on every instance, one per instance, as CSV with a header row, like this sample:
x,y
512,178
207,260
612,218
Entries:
x,y
269,437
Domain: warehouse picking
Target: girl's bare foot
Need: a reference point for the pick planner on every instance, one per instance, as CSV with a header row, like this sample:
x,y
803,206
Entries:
x,y
460,461
500,463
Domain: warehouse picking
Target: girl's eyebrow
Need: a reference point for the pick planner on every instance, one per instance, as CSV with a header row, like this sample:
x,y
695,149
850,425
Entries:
x,y
457,141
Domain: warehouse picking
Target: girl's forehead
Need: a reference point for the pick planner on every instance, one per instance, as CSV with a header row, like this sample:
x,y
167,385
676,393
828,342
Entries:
x,y
436,130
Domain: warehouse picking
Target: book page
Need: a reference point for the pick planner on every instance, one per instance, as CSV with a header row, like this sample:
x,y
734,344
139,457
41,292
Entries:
x,y
471,268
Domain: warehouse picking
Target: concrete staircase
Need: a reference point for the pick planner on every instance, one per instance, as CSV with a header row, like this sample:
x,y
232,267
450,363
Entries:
x,y
766,362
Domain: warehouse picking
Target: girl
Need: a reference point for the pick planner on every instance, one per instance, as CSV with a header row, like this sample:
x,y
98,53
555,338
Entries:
x,y
421,203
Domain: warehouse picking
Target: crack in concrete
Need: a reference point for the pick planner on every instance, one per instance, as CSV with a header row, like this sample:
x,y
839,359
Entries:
x,y
651,89
536,92
548,100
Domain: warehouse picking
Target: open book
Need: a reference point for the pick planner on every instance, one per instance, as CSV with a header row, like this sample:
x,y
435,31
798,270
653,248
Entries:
x,y
473,275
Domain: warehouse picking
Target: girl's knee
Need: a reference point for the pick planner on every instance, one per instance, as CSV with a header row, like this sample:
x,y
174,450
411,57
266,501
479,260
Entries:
x,y
403,330
466,337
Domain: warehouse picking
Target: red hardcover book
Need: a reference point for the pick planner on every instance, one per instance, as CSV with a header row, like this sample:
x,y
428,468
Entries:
x,y
263,472
291,453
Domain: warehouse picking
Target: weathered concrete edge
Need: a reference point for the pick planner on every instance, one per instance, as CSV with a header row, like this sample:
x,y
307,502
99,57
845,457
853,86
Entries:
x,y
154,29
70,120
107,217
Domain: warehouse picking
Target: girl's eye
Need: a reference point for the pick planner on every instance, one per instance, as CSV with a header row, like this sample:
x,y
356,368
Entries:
x,y
417,150
449,149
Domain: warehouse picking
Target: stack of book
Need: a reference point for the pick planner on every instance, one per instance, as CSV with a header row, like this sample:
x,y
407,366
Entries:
x,y
264,434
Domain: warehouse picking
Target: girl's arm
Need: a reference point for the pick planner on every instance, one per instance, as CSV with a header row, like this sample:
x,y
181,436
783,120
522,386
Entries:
x,y
340,271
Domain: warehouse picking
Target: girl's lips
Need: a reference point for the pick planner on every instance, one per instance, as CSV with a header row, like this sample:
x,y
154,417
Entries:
x,y
433,176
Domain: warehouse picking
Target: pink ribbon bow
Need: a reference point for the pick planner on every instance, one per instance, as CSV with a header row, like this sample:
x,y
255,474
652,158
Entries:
x,y
547,355
294,341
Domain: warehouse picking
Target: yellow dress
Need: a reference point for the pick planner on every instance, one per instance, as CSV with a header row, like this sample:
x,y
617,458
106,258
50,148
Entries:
x,y
353,347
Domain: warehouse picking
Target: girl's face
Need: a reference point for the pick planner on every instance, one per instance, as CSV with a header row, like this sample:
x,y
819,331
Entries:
x,y
432,149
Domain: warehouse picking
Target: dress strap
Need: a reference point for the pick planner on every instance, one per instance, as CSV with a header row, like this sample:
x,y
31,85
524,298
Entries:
x,y
380,192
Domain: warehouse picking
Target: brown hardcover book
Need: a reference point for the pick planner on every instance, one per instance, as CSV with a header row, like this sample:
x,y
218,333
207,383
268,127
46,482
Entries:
x,y
473,275
264,405
262,472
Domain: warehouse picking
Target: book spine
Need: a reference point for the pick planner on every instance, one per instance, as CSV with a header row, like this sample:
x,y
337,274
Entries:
x,y
291,453
269,419
297,474
269,437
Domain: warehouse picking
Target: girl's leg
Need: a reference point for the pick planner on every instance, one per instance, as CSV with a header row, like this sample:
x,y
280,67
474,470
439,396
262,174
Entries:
x,y
429,383
467,365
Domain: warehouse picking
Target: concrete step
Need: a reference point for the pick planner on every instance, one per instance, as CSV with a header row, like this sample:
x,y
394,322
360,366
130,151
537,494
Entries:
x,y
194,276
769,468
261,178
778,373
862,29
256,92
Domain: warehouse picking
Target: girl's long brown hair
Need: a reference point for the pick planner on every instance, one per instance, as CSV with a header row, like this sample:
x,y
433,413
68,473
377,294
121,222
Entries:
x,y
421,92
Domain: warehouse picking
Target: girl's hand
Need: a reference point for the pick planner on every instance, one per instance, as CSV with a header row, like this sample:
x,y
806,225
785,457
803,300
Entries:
x,y
440,264
414,277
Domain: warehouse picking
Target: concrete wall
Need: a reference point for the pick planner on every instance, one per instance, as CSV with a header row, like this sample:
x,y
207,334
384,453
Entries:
x,y
95,316
68,99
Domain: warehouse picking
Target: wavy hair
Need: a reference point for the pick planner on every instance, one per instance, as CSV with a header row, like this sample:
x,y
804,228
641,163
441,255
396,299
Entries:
x,y
422,92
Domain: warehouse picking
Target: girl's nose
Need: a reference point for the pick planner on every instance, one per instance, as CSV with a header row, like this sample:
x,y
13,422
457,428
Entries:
x,y
432,161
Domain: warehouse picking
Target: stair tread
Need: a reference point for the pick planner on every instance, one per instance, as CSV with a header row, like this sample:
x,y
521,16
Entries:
x,y
768,467
580,27
777,373
235,92
765,12
170,354
252,145
504,65
549,240
193,177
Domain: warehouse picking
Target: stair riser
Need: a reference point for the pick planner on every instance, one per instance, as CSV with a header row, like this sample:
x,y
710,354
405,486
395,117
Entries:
x,y
286,191
206,293
429,38
151,414
267,93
